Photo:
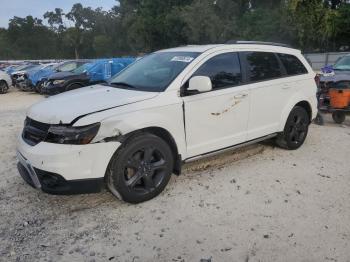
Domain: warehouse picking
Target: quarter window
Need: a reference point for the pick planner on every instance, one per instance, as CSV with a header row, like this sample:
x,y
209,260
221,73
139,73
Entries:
x,y
262,66
292,65
224,70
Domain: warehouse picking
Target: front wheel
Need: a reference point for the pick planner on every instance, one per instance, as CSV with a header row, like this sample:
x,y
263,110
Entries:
x,y
140,169
295,130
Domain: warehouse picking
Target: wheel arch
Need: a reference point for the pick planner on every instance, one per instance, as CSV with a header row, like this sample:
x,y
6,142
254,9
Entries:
x,y
306,105
6,86
297,101
4,81
163,134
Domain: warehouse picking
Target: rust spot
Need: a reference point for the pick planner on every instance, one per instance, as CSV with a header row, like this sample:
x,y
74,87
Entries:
x,y
227,109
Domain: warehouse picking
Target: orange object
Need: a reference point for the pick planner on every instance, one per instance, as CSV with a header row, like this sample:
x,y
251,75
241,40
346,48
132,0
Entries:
x,y
340,98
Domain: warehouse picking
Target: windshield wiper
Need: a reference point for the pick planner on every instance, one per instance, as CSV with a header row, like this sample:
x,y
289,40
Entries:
x,y
122,84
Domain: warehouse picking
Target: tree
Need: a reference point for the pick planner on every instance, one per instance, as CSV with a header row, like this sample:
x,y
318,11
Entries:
x,y
132,27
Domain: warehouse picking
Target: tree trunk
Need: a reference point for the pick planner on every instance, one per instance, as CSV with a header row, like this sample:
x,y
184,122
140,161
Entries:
x,y
76,53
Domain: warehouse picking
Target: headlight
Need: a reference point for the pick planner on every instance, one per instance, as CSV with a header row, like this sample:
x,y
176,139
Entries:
x,y
81,135
57,82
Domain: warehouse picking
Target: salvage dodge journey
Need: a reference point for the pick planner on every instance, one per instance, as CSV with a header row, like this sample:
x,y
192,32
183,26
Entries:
x,y
168,108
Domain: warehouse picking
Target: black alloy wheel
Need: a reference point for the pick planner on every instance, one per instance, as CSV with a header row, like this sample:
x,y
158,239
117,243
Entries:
x,y
295,130
141,169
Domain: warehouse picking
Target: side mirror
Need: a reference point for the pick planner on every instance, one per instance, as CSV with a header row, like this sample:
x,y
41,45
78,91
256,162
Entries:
x,y
199,84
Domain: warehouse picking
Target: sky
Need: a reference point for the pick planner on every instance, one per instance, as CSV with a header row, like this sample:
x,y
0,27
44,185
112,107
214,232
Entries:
x,y
36,8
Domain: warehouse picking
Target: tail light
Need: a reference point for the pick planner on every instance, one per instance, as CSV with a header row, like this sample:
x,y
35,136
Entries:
x,y
317,80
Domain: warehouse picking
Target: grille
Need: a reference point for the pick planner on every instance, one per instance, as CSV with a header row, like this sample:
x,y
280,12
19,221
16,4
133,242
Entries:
x,y
34,132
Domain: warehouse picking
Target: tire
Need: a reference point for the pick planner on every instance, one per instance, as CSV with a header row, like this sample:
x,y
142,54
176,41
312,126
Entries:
x,y
140,169
3,87
319,120
338,117
295,130
38,87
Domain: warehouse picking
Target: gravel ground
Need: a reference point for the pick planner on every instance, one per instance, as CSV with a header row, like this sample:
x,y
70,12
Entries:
x,y
260,203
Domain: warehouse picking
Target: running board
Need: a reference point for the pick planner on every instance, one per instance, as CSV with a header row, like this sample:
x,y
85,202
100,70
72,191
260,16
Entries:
x,y
219,151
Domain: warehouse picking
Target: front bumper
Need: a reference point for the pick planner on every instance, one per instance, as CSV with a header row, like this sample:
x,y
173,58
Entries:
x,y
65,169
25,85
50,89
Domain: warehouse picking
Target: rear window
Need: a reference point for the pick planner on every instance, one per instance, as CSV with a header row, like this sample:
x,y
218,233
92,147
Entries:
x,y
262,66
292,65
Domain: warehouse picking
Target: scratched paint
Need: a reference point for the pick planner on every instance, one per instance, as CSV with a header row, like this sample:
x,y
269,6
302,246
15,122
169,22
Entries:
x,y
227,109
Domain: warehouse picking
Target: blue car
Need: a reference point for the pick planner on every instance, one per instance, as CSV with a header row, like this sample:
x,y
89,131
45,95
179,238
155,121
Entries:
x,y
35,77
94,72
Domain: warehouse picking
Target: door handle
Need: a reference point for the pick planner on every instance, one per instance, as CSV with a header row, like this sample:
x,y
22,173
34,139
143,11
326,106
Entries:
x,y
240,96
286,86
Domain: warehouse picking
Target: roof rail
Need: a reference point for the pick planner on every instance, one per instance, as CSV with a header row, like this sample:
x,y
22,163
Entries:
x,y
256,43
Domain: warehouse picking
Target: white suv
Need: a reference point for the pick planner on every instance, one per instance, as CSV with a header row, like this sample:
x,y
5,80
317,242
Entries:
x,y
170,107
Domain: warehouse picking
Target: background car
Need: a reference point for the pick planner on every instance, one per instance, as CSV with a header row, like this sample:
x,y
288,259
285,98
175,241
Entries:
x,y
38,78
89,73
19,72
5,82
24,82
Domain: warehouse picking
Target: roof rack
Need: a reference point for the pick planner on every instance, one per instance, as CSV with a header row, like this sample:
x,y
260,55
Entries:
x,y
256,43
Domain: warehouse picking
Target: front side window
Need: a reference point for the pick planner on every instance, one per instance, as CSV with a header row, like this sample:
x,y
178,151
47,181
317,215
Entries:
x,y
83,68
154,72
67,67
224,70
292,65
262,66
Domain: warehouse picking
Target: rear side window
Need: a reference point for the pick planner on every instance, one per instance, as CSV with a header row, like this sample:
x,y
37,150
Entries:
x,y
224,70
292,65
262,66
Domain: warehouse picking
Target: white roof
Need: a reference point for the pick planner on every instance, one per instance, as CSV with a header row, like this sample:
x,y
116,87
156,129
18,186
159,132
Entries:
x,y
191,48
204,48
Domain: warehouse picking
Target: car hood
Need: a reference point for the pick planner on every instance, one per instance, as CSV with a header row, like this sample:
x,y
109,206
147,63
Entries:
x,y
66,107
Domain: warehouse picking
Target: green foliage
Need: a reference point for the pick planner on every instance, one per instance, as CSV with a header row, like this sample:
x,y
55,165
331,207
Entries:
x,y
134,27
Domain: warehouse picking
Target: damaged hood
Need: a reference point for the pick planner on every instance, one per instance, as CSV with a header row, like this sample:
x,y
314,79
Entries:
x,y
66,107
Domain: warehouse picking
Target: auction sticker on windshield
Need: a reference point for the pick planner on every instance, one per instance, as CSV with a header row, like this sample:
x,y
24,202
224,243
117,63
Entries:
x,y
185,59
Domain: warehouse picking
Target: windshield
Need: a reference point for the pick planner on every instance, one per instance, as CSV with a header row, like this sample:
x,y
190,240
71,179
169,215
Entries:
x,y
38,67
81,69
22,67
343,64
154,72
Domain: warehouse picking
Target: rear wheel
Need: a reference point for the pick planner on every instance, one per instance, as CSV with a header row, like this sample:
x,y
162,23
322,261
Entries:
x,y
3,87
338,117
140,169
295,130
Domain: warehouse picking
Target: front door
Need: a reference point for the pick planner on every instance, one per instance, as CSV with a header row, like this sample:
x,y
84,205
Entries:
x,y
217,119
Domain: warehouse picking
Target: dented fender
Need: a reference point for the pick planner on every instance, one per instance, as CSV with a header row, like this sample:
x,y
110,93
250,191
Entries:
x,y
119,122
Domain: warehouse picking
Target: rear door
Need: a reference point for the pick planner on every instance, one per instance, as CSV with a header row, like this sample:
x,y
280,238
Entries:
x,y
269,92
